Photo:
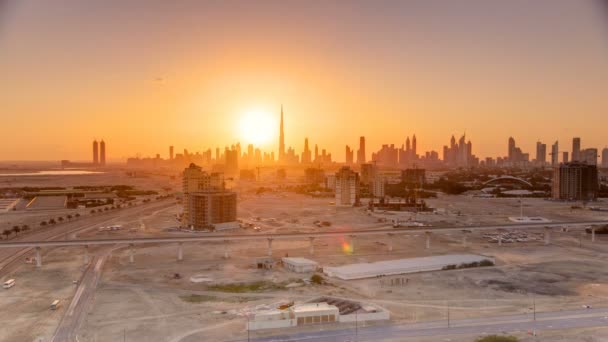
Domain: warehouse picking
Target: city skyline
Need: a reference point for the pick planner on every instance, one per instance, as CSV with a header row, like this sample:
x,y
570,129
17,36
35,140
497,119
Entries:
x,y
152,90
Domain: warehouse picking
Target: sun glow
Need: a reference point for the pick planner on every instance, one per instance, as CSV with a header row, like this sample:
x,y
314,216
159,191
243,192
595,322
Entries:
x,y
257,127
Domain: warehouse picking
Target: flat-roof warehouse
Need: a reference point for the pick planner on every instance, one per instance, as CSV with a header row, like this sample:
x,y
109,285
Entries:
x,y
401,266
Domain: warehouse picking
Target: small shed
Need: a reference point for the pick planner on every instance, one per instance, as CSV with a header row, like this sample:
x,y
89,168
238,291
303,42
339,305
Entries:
x,y
300,265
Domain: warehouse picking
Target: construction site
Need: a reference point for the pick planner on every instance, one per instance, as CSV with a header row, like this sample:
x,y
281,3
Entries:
x,y
460,264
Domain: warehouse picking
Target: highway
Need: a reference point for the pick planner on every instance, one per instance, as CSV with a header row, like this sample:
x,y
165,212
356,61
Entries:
x,y
289,236
479,326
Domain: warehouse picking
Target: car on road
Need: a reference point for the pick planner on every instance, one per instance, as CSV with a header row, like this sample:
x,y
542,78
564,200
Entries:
x,y
9,283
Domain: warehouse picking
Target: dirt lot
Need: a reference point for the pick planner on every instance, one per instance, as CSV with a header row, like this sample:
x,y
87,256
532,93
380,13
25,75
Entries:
x,y
145,301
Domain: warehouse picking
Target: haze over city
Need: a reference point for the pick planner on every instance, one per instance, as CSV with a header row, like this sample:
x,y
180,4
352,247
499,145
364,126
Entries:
x,y
190,74
328,171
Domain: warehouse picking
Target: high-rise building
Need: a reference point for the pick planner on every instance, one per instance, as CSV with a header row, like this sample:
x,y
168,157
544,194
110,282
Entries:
x,y
541,153
555,154
511,150
361,151
232,162
576,149
605,157
575,182
170,152
281,140
459,154
414,146
589,156
306,155
565,157
102,153
347,187
211,210
368,173
349,155
201,210
95,152
377,186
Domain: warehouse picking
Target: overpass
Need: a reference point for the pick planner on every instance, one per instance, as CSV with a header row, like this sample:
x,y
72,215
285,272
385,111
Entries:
x,y
352,234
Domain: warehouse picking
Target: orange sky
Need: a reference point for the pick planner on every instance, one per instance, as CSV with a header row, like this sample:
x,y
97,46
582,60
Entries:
x,y
146,75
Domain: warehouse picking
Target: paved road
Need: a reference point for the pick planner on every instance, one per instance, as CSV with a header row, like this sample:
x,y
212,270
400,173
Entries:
x,y
290,236
9,255
76,312
479,326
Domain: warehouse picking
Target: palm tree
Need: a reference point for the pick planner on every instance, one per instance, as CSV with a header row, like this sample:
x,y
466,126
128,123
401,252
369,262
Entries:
x,y
69,217
52,221
77,215
25,228
16,229
60,219
43,223
6,233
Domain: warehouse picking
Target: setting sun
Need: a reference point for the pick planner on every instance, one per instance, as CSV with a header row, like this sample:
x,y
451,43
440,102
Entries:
x,y
257,127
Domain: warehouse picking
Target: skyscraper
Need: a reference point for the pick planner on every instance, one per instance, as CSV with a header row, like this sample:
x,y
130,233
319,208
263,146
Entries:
x,y
555,154
589,156
95,152
576,149
349,154
361,151
102,153
511,151
541,153
170,152
605,157
281,139
414,146
306,157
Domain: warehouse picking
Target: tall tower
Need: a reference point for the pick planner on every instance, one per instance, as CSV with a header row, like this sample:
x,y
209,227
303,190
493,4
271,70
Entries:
x,y
95,152
414,145
170,152
511,150
102,153
281,139
361,151
576,149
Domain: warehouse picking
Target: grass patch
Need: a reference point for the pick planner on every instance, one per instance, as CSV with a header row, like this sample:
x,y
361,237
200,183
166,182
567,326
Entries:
x,y
195,298
258,286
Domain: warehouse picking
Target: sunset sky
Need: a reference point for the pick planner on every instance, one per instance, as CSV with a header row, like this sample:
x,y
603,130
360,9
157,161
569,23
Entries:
x,y
143,75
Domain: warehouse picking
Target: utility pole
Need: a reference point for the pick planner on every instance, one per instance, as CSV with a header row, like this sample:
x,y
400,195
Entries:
x,y
448,309
357,325
534,306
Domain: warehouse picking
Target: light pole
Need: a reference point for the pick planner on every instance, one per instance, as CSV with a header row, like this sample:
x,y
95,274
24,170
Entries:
x,y
357,325
534,306
448,312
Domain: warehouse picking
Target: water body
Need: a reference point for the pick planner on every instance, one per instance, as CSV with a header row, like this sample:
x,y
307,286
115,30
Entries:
x,y
50,173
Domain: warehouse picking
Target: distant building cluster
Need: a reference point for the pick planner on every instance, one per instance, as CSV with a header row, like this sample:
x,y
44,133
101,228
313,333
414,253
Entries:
x,y
98,160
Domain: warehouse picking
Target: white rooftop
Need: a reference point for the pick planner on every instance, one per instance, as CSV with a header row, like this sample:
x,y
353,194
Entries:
x,y
299,261
311,307
400,266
